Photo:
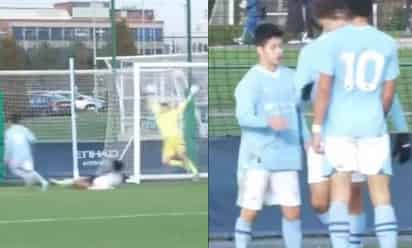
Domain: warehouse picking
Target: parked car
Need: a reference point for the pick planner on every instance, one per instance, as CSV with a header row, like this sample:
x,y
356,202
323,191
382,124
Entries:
x,y
83,102
44,105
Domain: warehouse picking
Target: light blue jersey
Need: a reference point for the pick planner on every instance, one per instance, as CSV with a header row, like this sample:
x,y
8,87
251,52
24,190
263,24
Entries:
x,y
360,66
260,95
306,71
18,140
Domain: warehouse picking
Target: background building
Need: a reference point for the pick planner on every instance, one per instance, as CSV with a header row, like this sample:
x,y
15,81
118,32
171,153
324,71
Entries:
x,y
75,21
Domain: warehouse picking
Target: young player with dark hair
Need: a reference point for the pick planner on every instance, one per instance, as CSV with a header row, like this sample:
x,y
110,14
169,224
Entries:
x,y
270,150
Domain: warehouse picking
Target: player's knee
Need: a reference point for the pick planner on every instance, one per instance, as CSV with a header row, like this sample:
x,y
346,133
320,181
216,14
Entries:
x,y
165,160
291,213
320,205
381,198
379,190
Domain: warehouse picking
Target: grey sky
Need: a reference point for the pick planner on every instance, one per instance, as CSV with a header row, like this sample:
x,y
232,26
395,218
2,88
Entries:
x,y
171,11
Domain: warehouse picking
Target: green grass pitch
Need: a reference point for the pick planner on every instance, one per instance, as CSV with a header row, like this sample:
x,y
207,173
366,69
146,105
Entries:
x,y
155,215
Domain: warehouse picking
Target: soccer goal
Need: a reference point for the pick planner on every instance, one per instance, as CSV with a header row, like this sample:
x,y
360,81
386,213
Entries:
x,y
131,125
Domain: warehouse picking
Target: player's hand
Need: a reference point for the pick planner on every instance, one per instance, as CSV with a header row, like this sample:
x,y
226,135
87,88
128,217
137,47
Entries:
x,y
278,123
194,89
317,143
402,147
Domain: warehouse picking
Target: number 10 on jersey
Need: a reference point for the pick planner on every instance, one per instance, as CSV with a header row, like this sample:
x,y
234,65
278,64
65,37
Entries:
x,y
356,70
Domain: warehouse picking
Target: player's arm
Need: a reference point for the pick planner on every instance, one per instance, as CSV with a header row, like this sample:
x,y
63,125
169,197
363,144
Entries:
x,y
391,73
326,69
7,151
387,96
322,98
30,136
154,106
246,99
397,115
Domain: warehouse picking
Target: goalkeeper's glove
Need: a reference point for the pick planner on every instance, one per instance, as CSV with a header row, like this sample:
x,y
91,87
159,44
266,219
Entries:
x,y
401,147
307,92
194,89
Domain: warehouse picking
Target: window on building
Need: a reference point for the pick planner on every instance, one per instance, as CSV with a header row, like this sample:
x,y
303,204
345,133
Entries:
x,y
158,34
148,34
57,33
149,14
140,34
18,33
106,34
82,34
133,33
69,34
30,33
43,33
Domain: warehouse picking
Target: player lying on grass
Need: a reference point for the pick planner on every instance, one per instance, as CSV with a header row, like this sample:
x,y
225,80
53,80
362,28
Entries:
x,y
270,151
169,121
111,178
358,67
333,15
18,153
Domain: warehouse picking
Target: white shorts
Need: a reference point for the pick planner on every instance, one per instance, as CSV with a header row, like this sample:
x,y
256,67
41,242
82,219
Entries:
x,y
258,187
316,173
107,181
368,156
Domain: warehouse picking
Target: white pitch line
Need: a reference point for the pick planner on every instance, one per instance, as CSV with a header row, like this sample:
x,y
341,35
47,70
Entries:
x,y
96,218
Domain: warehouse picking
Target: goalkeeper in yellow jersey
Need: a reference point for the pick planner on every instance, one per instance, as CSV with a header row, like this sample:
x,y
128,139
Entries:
x,y
169,121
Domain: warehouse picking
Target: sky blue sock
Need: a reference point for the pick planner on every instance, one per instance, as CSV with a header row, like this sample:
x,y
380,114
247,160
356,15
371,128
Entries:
x,y
243,233
339,224
386,227
357,223
323,218
292,233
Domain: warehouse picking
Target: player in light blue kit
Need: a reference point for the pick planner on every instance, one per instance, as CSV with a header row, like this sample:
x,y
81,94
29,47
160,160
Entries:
x,y
333,15
270,153
354,94
18,154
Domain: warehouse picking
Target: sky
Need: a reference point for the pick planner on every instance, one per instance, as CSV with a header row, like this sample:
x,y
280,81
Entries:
x,y
166,10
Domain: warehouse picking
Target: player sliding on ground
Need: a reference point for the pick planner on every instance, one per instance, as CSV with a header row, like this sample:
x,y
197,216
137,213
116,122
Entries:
x,y
358,67
333,15
18,153
270,151
112,177
169,122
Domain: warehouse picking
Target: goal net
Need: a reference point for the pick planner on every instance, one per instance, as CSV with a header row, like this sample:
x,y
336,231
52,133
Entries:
x,y
43,101
134,131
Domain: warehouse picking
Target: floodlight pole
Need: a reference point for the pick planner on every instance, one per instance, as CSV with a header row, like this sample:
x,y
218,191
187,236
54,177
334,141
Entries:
x,y
95,93
189,30
114,34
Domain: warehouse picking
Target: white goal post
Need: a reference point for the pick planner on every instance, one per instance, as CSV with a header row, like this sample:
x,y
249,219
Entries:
x,y
134,124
